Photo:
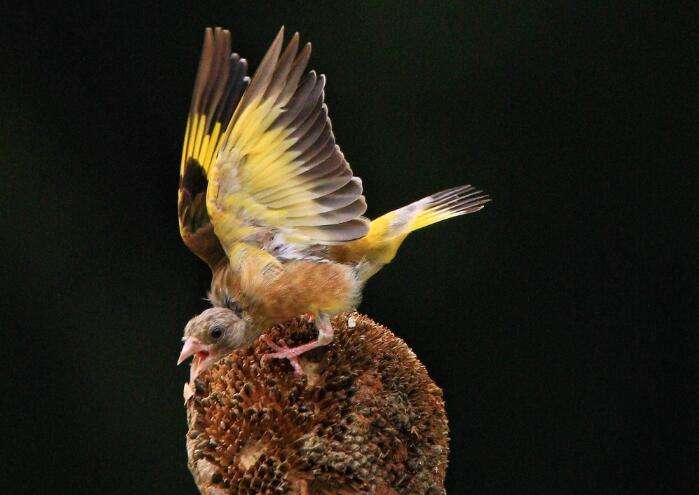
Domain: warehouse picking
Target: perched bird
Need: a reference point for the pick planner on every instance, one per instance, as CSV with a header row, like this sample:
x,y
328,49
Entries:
x,y
268,201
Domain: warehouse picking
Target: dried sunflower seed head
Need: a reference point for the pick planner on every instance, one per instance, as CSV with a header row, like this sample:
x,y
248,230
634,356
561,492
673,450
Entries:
x,y
366,418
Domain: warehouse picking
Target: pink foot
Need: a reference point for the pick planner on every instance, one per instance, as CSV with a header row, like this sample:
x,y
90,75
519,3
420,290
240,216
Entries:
x,y
290,353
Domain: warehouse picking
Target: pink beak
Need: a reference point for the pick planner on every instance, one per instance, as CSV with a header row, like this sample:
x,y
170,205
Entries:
x,y
201,359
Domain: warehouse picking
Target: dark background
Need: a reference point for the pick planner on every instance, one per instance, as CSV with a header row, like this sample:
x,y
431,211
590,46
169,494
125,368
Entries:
x,y
532,314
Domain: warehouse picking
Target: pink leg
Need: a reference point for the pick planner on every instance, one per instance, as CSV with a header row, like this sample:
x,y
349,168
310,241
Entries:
x,y
325,336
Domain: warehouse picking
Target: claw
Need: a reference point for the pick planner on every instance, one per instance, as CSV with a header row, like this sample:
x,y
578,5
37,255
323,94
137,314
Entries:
x,y
283,352
325,336
270,343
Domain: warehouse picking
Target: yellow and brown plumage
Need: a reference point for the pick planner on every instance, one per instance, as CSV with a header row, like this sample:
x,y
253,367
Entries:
x,y
268,200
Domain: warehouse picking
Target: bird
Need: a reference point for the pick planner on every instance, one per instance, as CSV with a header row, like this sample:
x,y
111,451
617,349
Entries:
x,y
268,201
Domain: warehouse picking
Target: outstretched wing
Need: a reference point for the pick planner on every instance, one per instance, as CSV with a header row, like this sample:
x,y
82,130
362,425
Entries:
x,y
279,173
220,81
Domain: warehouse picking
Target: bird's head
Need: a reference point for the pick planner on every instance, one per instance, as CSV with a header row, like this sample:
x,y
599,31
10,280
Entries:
x,y
211,336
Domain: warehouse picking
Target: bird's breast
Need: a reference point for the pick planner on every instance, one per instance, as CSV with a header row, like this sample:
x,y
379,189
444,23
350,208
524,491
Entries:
x,y
302,286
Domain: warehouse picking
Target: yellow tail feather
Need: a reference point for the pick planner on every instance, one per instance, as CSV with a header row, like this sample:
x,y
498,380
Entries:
x,y
387,232
448,204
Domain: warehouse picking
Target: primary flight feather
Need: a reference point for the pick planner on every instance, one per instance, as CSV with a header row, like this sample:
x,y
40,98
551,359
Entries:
x,y
268,201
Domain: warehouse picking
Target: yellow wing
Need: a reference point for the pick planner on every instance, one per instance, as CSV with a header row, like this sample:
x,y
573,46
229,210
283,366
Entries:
x,y
279,176
220,81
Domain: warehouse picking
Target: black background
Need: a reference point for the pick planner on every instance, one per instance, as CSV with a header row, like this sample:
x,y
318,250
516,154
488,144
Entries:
x,y
529,314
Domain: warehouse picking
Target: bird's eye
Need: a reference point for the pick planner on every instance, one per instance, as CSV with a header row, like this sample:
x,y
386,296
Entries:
x,y
216,332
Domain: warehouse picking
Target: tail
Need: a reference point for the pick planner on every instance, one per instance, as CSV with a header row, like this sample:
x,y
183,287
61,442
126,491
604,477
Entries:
x,y
443,205
387,232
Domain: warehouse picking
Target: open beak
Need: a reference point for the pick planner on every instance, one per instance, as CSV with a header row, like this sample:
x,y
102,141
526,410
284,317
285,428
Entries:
x,y
202,357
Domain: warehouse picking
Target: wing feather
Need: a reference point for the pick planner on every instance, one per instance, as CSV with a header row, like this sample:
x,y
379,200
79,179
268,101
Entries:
x,y
278,170
220,81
